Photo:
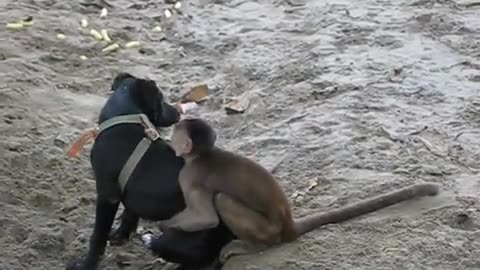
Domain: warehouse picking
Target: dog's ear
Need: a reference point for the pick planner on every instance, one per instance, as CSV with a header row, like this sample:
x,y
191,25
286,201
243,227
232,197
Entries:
x,y
119,79
147,96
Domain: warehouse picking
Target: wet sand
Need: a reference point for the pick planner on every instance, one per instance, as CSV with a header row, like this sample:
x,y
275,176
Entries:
x,y
361,97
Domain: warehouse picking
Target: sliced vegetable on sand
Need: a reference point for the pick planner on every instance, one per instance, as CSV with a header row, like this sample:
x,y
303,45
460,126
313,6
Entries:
x,y
105,36
132,44
96,34
14,26
111,48
28,21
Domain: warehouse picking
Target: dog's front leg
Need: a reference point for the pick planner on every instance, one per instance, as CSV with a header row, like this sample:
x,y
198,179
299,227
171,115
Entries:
x,y
128,224
104,216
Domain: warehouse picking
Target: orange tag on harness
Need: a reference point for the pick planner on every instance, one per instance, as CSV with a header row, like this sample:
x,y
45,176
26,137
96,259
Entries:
x,y
87,137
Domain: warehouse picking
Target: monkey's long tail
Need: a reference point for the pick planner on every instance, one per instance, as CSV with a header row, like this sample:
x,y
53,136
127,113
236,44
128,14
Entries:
x,y
311,222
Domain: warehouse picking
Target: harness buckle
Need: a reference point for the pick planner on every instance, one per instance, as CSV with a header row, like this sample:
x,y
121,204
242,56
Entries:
x,y
150,130
152,134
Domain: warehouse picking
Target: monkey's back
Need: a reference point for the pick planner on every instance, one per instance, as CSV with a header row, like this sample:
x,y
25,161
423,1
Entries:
x,y
246,181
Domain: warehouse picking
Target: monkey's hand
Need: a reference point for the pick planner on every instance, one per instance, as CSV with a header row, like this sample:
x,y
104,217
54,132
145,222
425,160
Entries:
x,y
148,239
190,221
181,221
163,225
200,213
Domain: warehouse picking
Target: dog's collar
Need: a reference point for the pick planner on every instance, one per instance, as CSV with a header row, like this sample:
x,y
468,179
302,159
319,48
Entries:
x,y
141,119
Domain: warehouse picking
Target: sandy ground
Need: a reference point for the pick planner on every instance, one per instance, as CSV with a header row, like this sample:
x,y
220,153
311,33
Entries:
x,y
360,97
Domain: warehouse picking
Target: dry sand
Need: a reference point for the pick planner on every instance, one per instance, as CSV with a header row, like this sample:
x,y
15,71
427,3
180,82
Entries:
x,y
360,96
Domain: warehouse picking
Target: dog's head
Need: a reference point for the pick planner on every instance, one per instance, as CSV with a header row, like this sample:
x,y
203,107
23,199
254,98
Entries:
x,y
148,99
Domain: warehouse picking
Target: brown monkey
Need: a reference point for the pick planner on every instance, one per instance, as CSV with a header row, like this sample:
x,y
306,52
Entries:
x,y
247,198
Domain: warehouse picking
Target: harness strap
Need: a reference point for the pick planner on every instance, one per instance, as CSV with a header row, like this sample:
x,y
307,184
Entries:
x,y
151,135
122,119
133,161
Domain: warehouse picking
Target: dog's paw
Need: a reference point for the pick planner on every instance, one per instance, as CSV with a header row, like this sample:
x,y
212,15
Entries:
x,y
118,238
147,240
85,262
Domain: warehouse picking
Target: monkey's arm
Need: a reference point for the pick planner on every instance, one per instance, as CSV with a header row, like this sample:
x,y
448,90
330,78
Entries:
x,y
199,213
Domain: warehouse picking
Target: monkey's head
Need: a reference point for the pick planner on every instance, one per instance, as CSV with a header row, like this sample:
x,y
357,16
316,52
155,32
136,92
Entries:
x,y
193,136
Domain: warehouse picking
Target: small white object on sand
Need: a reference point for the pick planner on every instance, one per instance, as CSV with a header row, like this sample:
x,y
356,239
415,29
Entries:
x,y
168,13
188,107
103,13
84,23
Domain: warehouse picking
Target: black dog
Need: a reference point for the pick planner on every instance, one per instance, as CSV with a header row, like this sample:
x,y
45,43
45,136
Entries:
x,y
152,192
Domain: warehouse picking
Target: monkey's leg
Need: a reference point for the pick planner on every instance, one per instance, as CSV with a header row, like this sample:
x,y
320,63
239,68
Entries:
x,y
246,223
256,231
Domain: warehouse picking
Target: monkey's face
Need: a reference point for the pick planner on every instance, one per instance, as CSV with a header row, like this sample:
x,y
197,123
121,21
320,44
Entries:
x,y
181,143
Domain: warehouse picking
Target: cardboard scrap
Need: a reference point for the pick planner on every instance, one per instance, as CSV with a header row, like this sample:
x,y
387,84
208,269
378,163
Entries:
x,y
238,104
197,93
